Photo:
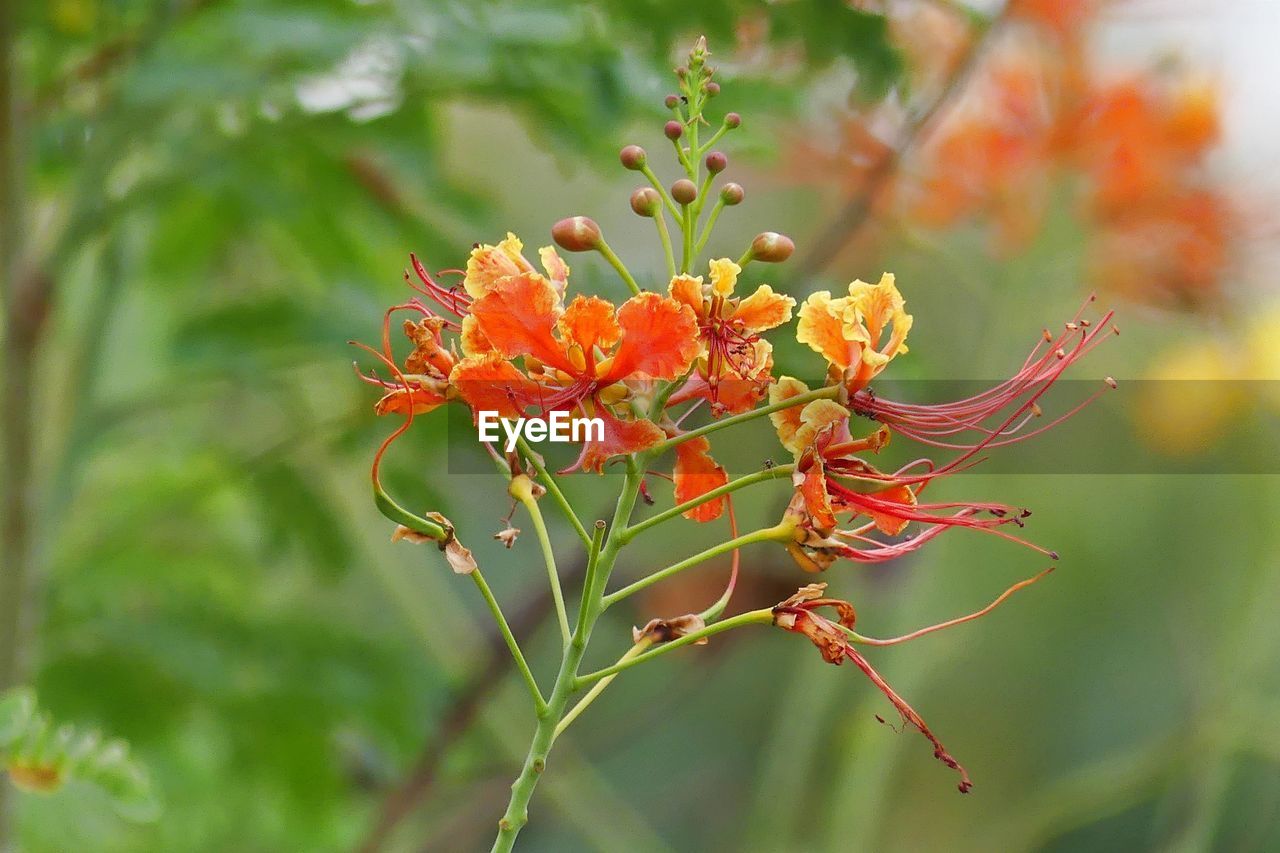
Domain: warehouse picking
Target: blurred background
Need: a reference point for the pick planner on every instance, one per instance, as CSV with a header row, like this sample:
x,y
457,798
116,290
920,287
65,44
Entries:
x,y
203,200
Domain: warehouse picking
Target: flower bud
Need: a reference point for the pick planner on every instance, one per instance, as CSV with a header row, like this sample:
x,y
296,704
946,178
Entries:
x,y
712,88
673,130
645,201
732,120
717,162
683,191
672,101
576,234
633,157
732,194
682,72
772,247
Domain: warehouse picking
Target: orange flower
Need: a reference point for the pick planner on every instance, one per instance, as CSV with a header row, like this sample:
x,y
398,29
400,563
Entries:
x,y
848,331
735,361
423,385
576,358
831,482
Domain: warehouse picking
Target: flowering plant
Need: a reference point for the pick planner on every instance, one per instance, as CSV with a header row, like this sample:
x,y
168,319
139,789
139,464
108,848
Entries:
x,y
512,340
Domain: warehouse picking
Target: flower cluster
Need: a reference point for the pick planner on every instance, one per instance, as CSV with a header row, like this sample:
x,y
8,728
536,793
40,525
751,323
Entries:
x,y
511,338
1025,107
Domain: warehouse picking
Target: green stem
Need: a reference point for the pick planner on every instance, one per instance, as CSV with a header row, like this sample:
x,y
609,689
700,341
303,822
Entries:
x,y
539,703
715,137
393,511
553,489
732,486
616,262
670,205
589,577
665,236
599,687
751,617
517,813
778,533
548,557
711,223
686,227
825,393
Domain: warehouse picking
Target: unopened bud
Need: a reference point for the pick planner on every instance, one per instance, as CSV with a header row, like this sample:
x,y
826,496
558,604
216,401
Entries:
x,y
672,101
633,157
772,247
682,72
717,162
683,191
645,201
732,194
576,234
732,120
673,130
712,88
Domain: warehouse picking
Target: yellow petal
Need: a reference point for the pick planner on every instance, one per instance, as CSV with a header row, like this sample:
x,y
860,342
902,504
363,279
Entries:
x,y
786,421
724,276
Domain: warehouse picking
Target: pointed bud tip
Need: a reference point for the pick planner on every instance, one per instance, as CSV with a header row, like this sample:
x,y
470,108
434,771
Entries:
x,y
684,191
732,194
645,201
576,234
633,157
772,247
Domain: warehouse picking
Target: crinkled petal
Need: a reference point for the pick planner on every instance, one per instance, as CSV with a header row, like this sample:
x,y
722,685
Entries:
x,y
695,474
818,416
490,264
822,326
687,290
557,270
724,276
518,317
817,503
764,309
787,421
589,322
491,383
659,339
629,436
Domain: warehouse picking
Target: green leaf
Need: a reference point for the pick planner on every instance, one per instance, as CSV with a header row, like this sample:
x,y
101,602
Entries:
x,y
41,758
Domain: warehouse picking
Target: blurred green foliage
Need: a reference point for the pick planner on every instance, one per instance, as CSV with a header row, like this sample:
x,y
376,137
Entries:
x,y
225,192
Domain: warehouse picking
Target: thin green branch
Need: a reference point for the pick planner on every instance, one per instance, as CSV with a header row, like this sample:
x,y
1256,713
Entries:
x,y
825,393
625,274
599,687
711,223
539,704
751,617
553,489
732,486
521,489
778,533
589,578
670,205
665,236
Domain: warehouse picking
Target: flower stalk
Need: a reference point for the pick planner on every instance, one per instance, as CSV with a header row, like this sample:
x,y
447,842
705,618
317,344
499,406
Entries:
x,y
521,347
